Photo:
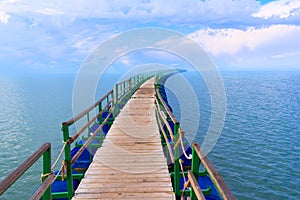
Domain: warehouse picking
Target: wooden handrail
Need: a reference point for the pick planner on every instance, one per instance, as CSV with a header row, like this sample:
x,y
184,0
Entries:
x,y
214,174
82,129
160,113
217,179
120,83
195,186
123,96
76,135
170,114
43,187
181,132
83,113
85,145
14,175
163,117
166,138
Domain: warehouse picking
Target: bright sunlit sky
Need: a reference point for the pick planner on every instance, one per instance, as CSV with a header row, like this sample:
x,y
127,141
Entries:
x,y
56,36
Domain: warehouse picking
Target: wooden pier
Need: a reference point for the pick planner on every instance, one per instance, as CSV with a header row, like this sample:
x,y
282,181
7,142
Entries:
x,y
131,163
131,147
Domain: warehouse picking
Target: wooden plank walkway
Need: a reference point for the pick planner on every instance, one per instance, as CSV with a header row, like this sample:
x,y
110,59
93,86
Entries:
x,y
130,164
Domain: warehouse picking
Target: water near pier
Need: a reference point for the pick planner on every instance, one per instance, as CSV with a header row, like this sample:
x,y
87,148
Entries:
x,y
257,153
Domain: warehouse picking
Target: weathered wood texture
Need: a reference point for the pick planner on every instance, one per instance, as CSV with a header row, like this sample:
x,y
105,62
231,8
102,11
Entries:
x,y
130,164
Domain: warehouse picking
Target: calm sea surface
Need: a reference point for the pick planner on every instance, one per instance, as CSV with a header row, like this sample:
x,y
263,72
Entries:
x,y
257,154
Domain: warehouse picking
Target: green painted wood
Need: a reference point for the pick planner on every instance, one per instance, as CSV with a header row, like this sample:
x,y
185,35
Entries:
x,y
66,136
47,170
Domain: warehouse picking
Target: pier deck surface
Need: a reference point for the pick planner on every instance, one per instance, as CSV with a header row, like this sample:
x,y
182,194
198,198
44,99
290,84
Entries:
x,y
131,163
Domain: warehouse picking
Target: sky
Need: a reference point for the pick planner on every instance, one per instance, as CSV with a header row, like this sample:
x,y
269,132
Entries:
x,y
57,36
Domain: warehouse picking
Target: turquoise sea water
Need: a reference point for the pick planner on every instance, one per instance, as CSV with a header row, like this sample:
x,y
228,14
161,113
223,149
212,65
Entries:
x,y
257,154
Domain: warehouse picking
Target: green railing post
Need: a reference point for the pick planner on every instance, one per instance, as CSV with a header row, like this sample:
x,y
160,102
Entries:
x,y
112,99
65,130
176,164
123,88
195,163
89,127
99,110
130,86
46,171
100,122
124,92
195,170
116,100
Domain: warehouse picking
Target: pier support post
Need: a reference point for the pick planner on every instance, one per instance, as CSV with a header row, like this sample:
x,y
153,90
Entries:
x,y
47,170
195,170
116,103
65,129
100,120
176,164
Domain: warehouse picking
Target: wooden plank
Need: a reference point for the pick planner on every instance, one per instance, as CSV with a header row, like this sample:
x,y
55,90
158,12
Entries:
x,y
108,164
126,170
128,195
118,175
141,153
129,179
132,157
133,162
123,189
125,185
136,136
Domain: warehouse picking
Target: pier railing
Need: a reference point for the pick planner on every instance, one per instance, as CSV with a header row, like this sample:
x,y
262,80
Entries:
x,y
198,156
172,138
106,109
110,104
45,188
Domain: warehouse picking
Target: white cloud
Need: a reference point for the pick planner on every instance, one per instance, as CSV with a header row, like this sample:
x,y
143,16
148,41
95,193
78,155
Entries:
x,y
125,60
232,41
81,43
50,11
4,17
151,10
284,55
282,9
